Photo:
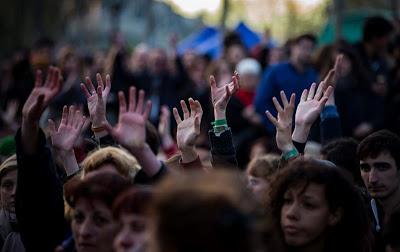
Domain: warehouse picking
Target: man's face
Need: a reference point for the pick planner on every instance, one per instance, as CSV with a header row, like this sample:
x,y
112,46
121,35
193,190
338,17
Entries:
x,y
380,175
303,51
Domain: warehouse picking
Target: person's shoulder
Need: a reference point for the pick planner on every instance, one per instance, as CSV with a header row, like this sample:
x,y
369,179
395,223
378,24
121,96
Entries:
x,y
276,69
284,66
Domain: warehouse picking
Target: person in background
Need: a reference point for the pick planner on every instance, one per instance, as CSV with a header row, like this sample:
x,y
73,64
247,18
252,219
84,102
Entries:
x,y
10,239
315,208
130,209
203,212
260,173
91,198
343,153
379,156
292,77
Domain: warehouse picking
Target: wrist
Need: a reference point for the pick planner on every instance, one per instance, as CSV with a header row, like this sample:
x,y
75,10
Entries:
x,y
28,122
331,100
290,154
188,155
139,150
98,123
219,114
300,133
287,147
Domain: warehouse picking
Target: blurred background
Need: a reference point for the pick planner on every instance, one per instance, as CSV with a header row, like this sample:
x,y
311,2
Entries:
x,y
169,48
91,23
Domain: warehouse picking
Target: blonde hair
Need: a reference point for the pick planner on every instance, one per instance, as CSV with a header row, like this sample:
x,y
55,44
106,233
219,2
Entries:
x,y
125,163
264,166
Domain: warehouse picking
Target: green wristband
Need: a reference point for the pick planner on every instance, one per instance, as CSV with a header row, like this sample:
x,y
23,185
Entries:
x,y
220,122
290,154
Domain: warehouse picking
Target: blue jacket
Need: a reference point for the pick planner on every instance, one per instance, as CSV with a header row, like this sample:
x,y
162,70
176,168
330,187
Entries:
x,y
279,77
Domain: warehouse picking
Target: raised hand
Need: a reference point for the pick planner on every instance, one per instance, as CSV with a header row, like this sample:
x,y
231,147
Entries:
x,y
283,122
42,94
188,128
311,104
164,128
130,131
220,95
334,74
69,129
331,78
97,99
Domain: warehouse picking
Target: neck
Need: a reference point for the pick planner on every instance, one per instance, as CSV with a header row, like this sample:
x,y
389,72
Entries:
x,y
369,50
297,64
316,246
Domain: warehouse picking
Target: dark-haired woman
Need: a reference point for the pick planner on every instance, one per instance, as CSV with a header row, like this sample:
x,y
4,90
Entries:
x,y
317,209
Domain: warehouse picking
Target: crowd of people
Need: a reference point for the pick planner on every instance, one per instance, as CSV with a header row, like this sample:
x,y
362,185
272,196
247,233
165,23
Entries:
x,y
277,148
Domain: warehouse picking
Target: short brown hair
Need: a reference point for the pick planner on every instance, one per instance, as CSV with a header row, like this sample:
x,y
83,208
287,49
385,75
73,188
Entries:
x,y
380,142
100,185
133,201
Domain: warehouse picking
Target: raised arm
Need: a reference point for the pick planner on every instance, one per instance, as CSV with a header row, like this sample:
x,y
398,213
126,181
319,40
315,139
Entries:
x,y
222,149
188,130
39,193
38,100
130,131
64,138
164,129
330,126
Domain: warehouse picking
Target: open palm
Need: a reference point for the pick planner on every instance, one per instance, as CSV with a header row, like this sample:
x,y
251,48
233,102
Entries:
x,y
42,93
130,130
311,104
97,99
220,95
188,128
69,130
284,120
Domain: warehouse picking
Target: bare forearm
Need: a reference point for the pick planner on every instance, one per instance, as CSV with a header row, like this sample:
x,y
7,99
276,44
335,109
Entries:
x,y
219,114
147,160
300,133
69,162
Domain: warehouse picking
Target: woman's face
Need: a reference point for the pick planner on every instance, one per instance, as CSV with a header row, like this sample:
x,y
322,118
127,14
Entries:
x,y
305,215
93,226
132,237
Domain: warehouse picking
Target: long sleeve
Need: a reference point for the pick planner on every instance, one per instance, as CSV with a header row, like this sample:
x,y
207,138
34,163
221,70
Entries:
x,y
330,124
222,150
142,178
39,198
